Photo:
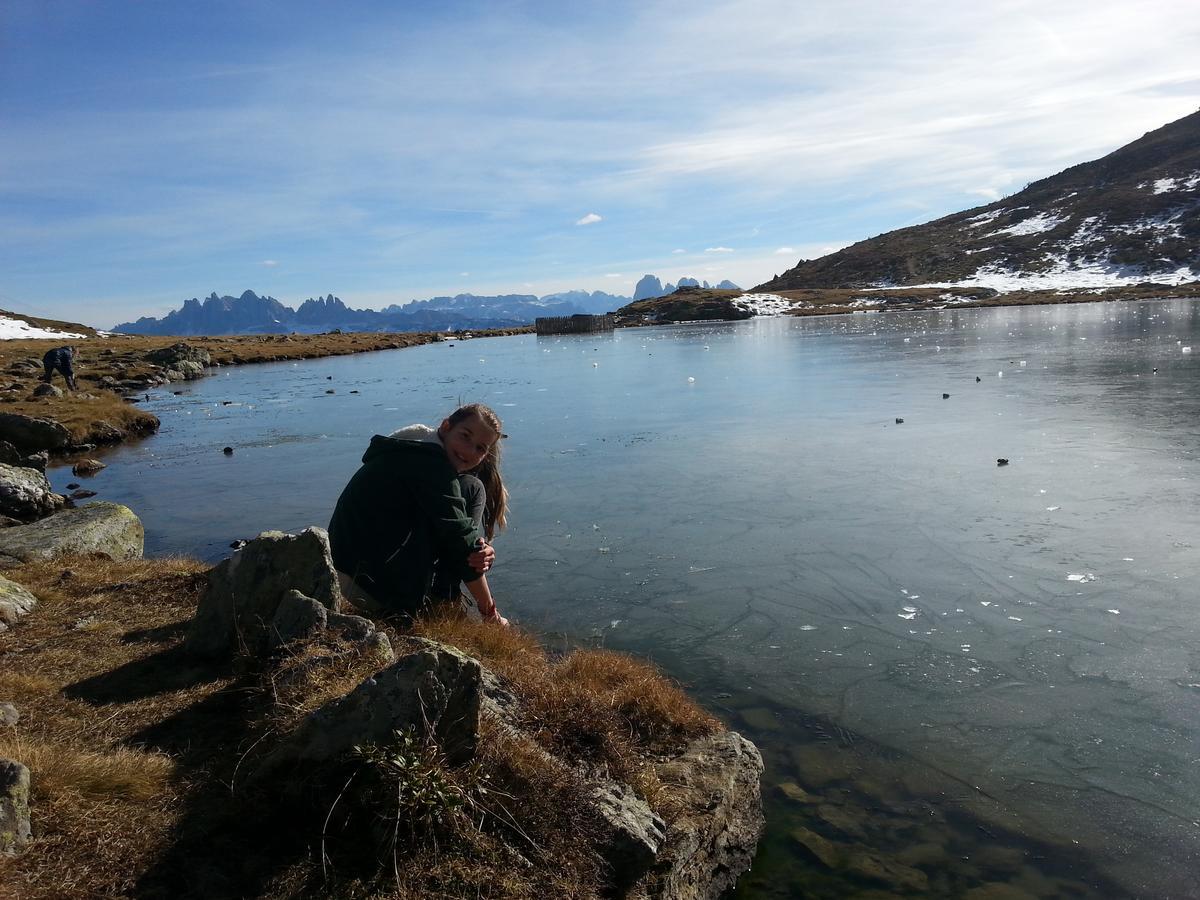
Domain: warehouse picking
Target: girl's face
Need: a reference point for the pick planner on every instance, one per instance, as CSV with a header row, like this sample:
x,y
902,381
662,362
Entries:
x,y
466,443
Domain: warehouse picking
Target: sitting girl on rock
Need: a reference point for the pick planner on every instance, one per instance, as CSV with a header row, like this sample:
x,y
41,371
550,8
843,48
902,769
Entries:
x,y
419,515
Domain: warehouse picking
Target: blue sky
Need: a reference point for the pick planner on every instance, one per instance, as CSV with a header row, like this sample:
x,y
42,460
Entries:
x,y
155,151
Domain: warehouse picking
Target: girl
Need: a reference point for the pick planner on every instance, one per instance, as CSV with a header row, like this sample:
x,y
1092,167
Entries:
x,y
402,533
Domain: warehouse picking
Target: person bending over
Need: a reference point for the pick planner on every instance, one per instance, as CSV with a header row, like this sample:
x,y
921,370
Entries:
x,y
60,358
402,535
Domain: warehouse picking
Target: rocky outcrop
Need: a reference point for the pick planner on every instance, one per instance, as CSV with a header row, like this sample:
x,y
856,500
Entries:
x,y
25,494
98,527
244,592
15,602
30,434
14,807
714,839
171,357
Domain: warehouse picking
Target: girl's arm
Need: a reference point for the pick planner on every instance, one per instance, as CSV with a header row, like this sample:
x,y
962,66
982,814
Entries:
x,y
483,600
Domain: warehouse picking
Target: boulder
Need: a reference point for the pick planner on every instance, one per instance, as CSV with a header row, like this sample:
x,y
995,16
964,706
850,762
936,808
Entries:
x,y
172,356
244,591
15,602
30,434
297,617
14,807
25,494
38,461
98,527
189,369
713,840
47,390
435,689
9,455
87,467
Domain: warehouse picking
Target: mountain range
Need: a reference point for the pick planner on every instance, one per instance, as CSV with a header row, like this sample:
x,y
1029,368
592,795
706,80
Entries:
x,y
1129,217
252,314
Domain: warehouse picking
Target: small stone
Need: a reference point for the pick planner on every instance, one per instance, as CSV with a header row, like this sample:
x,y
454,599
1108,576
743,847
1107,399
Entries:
x,y
945,396
14,807
822,848
978,379
238,544
87,467
330,391
73,485
9,715
228,451
794,792
82,494
899,421
1002,462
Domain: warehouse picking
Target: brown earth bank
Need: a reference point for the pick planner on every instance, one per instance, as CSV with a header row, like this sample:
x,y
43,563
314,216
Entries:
x,y
142,755
699,304
109,369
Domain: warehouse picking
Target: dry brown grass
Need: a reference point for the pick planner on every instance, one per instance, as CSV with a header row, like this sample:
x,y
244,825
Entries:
x,y
609,710
134,751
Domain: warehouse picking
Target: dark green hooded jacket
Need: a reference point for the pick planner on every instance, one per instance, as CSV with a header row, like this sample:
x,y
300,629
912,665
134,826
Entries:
x,y
401,514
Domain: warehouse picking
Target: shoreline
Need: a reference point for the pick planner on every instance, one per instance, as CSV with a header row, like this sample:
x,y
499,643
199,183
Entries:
x,y
111,370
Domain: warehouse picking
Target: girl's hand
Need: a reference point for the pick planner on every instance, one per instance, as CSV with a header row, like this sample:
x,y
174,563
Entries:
x,y
483,557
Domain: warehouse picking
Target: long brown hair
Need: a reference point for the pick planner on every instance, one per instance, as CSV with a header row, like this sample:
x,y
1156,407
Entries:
x,y
495,510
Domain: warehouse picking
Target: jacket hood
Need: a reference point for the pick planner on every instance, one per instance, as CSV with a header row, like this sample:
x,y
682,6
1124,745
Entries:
x,y
411,439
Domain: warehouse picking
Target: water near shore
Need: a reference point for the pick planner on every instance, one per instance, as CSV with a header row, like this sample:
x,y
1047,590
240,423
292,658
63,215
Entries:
x,y
961,672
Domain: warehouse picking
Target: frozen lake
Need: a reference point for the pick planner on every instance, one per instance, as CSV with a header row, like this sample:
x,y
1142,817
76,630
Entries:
x,y
979,675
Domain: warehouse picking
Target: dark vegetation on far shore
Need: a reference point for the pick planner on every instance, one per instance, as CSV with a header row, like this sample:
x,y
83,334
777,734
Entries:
x,y
140,754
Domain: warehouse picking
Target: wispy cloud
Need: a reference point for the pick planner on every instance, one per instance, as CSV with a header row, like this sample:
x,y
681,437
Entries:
x,y
269,263
612,274
471,142
786,250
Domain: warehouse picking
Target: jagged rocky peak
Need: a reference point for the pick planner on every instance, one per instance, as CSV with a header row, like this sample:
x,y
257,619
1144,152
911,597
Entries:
x,y
1130,216
647,286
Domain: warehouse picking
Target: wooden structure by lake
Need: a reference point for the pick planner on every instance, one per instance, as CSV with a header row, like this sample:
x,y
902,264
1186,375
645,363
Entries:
x,y
577,324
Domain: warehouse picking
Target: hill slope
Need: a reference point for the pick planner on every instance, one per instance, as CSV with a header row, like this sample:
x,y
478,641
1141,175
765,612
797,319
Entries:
x,y
1131,216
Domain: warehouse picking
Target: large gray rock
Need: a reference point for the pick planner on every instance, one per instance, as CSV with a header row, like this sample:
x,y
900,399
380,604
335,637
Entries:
x,y
98,527
25,494
717,780
9,455
15,602
14,807
30,433
46,390
434,690
245,590
634,834
296,618
178,353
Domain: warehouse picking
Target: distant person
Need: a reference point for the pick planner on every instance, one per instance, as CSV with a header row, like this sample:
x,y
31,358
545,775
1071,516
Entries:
x,y
418,517
60,358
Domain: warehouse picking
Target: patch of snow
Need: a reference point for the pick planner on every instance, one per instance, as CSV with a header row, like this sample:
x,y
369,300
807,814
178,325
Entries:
x,y
1033,225
1182,183
14,329
766,304
985,218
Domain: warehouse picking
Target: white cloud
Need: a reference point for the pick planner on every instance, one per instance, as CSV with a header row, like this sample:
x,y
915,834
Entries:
x,y
589,219
612,274
679,250
718,249
786,250
465,274
270,263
